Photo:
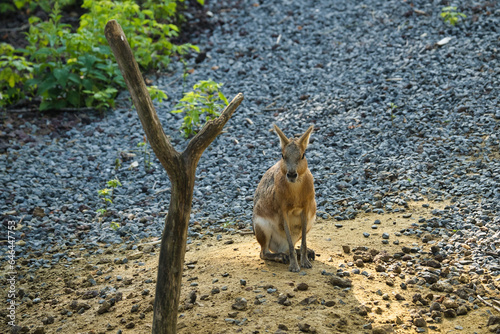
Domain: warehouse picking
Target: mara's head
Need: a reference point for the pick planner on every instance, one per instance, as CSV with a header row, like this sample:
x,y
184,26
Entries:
x,y
293,154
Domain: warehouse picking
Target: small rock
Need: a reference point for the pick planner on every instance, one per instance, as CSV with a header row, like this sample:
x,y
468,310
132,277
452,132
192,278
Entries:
x,y
306,328
419,322
435,306
282,327
493,320
90,294
450,303
309,300
38,212
340,282
462,310
283,300
302,286
346,249
104,307
192,297
39,330
399,297
382,329
450,313
240,305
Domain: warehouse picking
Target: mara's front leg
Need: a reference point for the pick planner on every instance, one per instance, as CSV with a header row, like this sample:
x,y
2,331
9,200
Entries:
x,y
294,265
304,261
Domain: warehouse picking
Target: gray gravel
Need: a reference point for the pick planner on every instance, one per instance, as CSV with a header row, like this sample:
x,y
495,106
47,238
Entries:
x,y
339,65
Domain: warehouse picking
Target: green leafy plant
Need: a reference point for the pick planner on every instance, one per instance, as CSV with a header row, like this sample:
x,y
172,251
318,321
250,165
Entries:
x,y
200,105
392,108
70,69
156,93
146,154
31,5
118,163
451,16
228,223
14,72
107,195
73,69
114,225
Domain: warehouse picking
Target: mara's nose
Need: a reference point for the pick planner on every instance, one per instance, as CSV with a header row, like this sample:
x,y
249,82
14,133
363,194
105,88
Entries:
x,y
291,175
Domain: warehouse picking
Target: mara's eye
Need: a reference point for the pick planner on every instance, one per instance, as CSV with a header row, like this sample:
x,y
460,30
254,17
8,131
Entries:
x,y
303,156
282,156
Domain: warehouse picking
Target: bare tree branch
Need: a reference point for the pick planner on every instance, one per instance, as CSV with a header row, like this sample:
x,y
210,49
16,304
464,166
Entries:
x,y
140,96
209,132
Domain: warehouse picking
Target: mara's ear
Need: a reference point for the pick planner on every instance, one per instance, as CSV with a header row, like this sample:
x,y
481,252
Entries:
x,y
304,139
283,139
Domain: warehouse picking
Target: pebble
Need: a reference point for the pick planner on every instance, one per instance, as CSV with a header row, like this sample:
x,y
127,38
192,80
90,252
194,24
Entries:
x,y
240,304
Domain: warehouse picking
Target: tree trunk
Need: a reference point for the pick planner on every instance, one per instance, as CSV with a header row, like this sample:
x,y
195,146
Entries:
x,y
180,167
172,251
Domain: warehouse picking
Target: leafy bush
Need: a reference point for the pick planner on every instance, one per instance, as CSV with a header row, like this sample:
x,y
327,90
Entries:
x,y
205,100
14,72
76,69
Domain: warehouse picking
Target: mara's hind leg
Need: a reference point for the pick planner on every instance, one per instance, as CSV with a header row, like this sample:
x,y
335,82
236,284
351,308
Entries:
x,y
304,256
264,237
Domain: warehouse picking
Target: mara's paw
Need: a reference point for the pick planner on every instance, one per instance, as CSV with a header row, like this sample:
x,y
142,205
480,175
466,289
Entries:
x,y
311,255
305,263
294,267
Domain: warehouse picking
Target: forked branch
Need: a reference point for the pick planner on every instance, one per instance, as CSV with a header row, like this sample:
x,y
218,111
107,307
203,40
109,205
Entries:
x,y
162,147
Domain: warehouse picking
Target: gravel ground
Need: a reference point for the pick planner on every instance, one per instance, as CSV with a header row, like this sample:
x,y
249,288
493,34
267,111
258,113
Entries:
x,y
338,65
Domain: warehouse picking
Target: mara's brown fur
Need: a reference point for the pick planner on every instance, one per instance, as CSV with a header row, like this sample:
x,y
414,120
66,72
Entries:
x,y
285,206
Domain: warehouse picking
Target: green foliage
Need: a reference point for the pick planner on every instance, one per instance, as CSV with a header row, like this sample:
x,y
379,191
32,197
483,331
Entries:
x,y
149,39
6,7
14,72
70,69
31,5
451,16
114,225
156,94
393,108
203,103
114,183
76,68
146,154
106,195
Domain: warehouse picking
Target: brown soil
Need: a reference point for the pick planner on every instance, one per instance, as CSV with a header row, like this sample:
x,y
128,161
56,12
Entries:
x,y
215,269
